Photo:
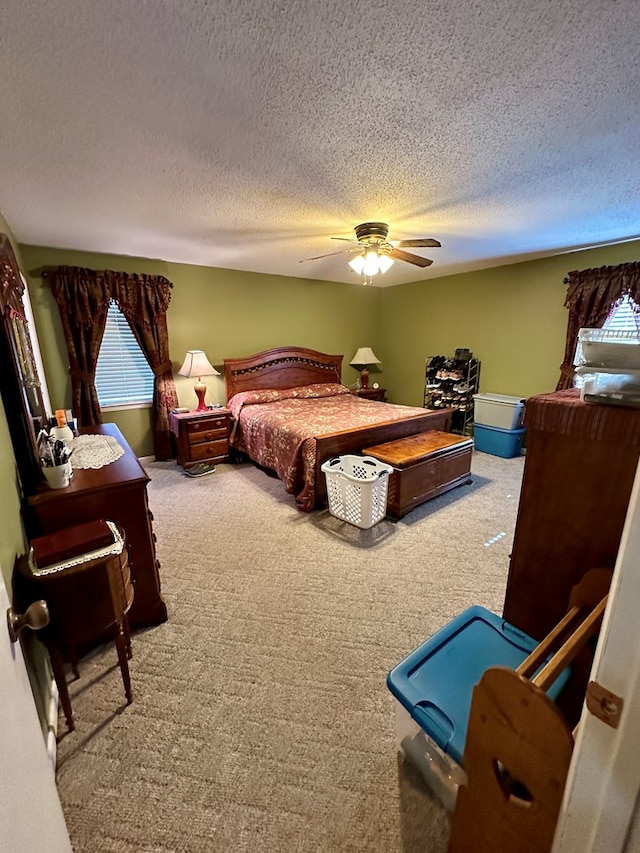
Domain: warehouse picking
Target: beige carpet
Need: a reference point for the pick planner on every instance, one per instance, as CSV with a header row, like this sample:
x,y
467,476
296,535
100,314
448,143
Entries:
x,y
261,720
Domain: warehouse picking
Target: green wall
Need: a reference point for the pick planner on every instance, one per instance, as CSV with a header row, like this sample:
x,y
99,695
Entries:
x,y
224,312
511,317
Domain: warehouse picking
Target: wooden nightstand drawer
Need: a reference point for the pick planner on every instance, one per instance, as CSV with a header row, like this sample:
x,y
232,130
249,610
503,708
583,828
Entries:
x,y
209,450
195,437
208,424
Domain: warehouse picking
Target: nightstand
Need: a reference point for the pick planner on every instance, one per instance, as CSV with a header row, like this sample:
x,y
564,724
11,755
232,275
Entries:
x,y
202,436
377,394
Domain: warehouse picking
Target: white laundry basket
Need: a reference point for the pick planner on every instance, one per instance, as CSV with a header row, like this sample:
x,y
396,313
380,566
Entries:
x,y
357,489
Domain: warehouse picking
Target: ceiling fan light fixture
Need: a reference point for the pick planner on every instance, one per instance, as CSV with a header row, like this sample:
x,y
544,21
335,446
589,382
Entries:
x,y
371,262
376,254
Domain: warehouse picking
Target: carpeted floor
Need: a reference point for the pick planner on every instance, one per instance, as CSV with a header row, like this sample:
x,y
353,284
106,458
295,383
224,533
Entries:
x,y
261,720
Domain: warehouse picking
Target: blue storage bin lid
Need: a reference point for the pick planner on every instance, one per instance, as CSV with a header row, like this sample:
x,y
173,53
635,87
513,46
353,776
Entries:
x,y
435,682
507,432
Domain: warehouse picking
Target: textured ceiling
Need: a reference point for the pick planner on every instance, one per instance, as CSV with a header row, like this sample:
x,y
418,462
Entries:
x,y
244,135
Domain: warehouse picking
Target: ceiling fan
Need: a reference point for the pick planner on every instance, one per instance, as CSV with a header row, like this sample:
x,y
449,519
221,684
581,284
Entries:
x,y
375,254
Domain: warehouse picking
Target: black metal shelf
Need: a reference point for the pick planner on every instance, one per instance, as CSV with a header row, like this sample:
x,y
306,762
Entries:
x,y
450,383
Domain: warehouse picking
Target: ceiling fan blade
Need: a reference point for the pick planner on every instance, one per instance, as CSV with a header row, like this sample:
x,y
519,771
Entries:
x,y
346,239
399,255
426,242
329,254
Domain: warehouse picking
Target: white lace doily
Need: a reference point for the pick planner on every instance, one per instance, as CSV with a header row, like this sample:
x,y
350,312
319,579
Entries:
x,y
94,451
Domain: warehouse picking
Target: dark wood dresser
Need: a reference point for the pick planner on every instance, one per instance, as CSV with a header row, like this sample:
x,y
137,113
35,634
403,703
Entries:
x,y
116,492
579,470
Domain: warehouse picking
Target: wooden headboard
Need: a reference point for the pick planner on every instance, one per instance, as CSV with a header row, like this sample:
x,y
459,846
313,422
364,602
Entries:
x,y
284,367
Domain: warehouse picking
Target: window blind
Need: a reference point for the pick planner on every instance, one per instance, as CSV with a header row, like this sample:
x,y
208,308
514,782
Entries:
x,y
123,376
623,318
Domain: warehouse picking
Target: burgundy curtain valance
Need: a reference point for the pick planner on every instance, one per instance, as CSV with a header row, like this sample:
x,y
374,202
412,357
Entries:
x,y
84,289
592,292
591,295
83,298
139,296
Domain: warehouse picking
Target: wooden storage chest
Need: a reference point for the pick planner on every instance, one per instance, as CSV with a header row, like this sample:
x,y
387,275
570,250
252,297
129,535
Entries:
x,y
425,465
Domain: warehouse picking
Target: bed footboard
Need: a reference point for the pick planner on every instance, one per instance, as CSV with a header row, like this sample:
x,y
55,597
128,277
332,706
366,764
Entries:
x,y
352,441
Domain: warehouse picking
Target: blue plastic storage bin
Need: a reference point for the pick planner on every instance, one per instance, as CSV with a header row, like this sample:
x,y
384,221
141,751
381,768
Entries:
x,y
435,682
498,442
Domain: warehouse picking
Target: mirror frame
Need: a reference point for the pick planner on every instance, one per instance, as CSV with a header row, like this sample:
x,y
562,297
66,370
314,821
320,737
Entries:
x,y
19,380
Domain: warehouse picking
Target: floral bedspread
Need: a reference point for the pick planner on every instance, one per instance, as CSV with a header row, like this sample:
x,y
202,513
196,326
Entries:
x,y
277,429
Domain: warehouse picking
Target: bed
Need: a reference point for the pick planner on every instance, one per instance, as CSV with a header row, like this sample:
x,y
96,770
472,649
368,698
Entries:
x,y
291,413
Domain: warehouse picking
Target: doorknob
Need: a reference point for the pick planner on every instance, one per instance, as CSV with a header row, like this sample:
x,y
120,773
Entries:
x,y
36,616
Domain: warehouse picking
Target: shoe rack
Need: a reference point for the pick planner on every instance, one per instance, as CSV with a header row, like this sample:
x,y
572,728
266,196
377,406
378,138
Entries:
x,y
450,383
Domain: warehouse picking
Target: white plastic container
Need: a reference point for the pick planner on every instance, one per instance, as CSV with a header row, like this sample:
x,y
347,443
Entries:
x,y
610,386
58,476
442,774
608,348
357,489
498,410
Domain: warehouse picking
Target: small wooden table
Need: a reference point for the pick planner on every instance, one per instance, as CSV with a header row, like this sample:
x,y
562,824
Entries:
x,y
88,593
377,394
425,465
201,436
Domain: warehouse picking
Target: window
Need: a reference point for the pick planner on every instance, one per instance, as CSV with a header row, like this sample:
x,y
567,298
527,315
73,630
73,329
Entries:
x,y
623,318
123,376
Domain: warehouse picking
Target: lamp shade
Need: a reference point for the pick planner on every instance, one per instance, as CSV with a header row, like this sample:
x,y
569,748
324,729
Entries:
x,y
357,264
365,355
197,364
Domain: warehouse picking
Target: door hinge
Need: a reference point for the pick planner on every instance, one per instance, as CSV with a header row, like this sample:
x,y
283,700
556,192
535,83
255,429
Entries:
x,y
604,704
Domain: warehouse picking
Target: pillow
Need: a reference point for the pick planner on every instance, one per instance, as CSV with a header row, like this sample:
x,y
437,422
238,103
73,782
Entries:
x,y
272,395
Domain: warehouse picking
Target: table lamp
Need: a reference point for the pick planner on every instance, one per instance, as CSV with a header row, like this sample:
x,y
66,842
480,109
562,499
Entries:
x,y
197,364
364,357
